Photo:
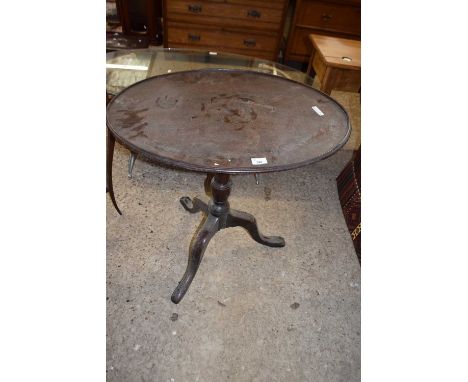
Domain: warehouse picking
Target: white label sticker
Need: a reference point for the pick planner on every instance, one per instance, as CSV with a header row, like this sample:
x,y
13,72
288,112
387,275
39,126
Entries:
x,y
317,110
259,160
213,53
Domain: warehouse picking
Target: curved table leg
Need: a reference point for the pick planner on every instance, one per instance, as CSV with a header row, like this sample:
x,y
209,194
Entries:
x,y
110,157
131,163
193,205
207,231
242,219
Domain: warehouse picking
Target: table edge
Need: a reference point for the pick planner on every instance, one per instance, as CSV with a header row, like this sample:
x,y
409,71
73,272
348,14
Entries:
x,y
225,170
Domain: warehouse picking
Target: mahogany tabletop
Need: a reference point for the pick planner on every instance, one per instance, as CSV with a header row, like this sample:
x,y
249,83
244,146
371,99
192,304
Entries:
x,y
228,121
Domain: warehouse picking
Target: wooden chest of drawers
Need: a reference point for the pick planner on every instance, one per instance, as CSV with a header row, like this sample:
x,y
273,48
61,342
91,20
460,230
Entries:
x,y
340,18
247,27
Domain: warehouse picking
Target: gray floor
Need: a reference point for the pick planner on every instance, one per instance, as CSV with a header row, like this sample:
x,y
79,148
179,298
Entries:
x,y
253,313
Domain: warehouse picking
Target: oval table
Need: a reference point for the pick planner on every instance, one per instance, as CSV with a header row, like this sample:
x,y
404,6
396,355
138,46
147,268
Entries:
x,y
223,122
126,67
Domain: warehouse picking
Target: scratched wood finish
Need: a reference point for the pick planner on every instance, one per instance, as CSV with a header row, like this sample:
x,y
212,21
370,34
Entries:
x,y
216,121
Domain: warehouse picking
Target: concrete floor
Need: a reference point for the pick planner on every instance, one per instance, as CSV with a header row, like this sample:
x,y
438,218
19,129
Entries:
x,y
253,313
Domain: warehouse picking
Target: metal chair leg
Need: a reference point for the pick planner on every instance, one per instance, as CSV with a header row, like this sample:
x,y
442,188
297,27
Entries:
x,y
257,181
131,162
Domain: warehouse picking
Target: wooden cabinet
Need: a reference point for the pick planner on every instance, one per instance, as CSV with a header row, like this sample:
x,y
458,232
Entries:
x,y
247,27
340,18
141,18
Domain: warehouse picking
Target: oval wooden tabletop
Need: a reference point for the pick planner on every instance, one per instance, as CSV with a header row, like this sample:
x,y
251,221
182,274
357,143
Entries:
x,y
228,121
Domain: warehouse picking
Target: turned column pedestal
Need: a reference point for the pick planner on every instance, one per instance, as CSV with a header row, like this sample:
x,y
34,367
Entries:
x,y
222,122
219,215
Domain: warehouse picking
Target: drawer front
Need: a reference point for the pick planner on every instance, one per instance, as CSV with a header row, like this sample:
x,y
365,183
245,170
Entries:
x,y
278,4
222,39
299,46
253,53
330,16
224,14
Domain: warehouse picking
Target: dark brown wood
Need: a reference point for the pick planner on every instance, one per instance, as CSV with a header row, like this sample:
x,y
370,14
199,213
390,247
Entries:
x,y
220,121
110,157
339,18
218,215
220,190
141,18
252,28
242,219
198,246
232,14
228,39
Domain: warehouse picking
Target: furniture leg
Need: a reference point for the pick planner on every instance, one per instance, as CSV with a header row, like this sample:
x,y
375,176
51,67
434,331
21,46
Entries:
x,y
131,163
328,81
310,68
193,205
242,219
218,216
110,157
209,227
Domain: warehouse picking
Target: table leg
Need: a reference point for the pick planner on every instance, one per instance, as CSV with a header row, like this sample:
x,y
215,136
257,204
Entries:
x,y
193,205
197,249
310,68
218,216
110,157
327,83
247,221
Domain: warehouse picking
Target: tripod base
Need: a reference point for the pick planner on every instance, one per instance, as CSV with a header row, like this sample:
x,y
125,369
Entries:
x,y
218,216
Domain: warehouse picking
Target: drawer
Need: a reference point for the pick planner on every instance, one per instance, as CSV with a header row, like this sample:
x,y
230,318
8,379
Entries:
x,y
271,56
278,4
330,16
212,13
224,39
299,46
